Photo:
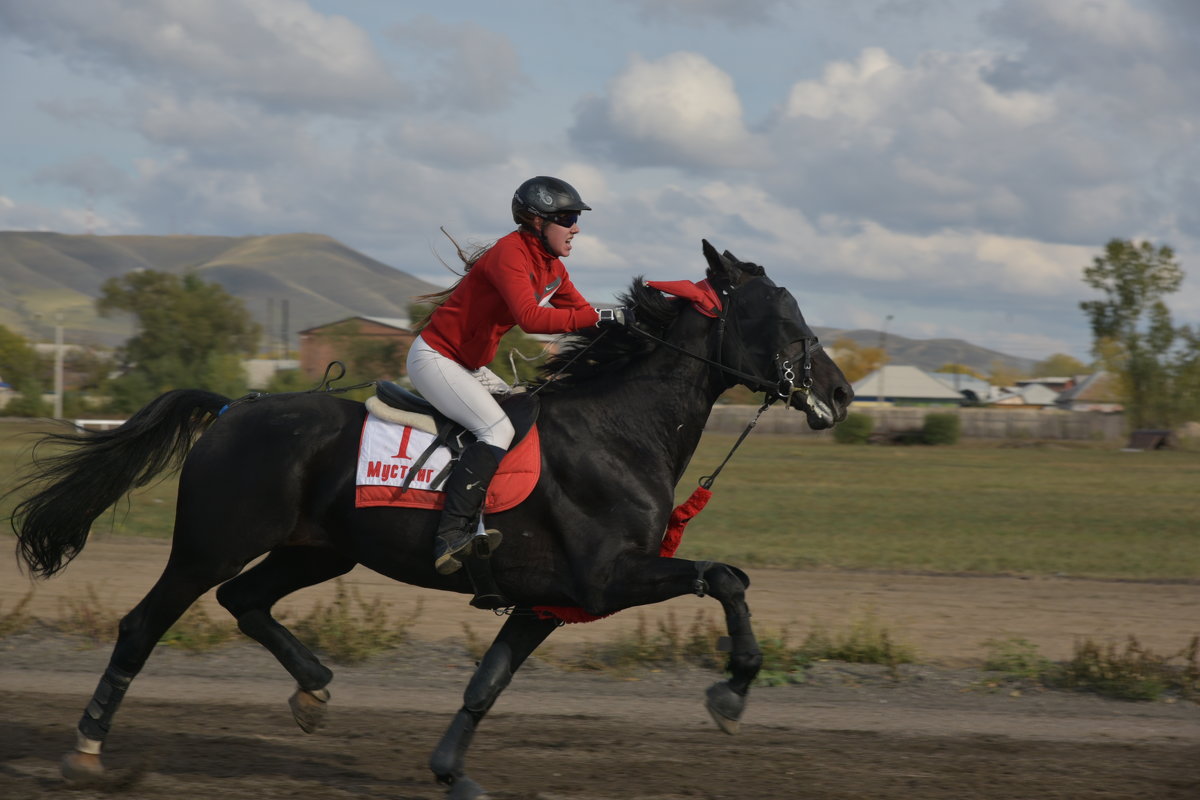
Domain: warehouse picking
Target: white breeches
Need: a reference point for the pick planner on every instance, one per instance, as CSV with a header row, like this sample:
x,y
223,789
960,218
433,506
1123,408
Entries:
x,y
463,395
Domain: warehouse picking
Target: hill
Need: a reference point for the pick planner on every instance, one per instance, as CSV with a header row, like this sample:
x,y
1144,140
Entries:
x,y
929,354
46,274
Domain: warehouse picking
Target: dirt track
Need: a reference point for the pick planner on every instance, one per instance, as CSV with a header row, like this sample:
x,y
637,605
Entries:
x,y
217,726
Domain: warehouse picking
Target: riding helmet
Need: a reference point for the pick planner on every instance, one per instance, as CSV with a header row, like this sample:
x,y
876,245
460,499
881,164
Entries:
x,y
544,197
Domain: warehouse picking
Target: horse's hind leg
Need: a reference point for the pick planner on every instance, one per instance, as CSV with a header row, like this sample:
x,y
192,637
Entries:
x,y
250,596
179,586
519,637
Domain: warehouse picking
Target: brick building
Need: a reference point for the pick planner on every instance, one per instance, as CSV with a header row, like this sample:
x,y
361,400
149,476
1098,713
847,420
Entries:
x,y
380,339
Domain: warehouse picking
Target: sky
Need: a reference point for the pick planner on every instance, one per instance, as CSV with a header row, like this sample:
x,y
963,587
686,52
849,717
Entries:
x,y
932,168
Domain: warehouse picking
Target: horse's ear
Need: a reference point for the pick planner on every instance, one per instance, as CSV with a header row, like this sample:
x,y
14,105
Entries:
x,y
719,266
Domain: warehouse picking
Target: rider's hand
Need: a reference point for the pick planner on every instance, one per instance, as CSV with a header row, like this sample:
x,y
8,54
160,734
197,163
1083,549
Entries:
x,y
612,317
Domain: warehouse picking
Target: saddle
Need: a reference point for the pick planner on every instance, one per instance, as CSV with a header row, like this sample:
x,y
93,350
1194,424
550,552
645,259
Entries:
x,y
401,405
394,403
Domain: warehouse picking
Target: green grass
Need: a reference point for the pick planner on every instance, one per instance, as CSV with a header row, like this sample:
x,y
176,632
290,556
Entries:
x,y
784,501
146,512
973,507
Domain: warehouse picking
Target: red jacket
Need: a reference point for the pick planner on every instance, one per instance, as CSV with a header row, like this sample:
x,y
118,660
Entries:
x,y
516,282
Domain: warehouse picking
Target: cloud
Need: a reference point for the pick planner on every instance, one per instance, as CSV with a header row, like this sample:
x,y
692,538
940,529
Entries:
x,y
680,110
736,13
225,134
279,54
936,145
449,145
1129,66
91,175
474,69
16,216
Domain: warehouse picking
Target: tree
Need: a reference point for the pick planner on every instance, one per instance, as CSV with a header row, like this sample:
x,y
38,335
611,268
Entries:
x,y
1003,373
18,360
191,333
1058,365
20,368
960,369
856,361
1133,335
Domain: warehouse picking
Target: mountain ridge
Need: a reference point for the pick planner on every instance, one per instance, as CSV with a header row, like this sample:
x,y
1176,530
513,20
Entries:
x,y
44,274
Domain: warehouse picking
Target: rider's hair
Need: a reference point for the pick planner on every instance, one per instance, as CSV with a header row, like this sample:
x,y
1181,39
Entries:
x,y
468,258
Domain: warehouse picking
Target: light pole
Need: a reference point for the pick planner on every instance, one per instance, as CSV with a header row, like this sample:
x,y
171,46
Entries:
x,y
883,367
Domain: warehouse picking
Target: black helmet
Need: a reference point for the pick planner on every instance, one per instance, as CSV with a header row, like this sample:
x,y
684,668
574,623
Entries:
x,y
544,197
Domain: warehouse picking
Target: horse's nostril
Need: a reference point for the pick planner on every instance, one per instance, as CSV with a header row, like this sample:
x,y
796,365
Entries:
x,y
843,395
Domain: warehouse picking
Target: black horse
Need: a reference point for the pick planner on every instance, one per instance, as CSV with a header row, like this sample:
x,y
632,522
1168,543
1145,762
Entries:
x,y
622,410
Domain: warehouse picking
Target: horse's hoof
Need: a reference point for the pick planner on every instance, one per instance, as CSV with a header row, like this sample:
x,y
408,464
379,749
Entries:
x,y
466,789
725,706
82,768
309,708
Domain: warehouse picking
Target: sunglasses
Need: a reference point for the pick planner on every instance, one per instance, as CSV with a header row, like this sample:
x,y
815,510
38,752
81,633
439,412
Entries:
x,y
567,218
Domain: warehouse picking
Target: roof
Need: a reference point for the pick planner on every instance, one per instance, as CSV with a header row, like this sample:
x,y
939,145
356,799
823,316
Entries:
x,y
399,323
959,382
392,322
904,383
1099,387
1034,394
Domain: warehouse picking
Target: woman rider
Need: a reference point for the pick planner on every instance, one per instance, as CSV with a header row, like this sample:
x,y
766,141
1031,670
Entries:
x,y
520,280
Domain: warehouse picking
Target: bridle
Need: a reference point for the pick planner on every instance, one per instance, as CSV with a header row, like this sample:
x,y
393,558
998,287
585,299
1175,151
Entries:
x,y
784,383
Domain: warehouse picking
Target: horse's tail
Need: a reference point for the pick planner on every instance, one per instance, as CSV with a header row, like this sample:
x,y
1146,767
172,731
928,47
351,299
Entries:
x,y
77,484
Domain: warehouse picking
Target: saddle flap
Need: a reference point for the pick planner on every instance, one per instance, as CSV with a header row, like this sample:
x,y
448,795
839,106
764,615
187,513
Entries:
x,y
522,409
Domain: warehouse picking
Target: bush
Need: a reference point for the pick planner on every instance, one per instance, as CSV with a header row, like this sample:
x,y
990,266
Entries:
x,y
1132,673
941,429
350,630
855,429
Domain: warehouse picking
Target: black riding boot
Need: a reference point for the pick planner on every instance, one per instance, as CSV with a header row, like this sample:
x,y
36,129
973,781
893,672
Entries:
x,y
466,489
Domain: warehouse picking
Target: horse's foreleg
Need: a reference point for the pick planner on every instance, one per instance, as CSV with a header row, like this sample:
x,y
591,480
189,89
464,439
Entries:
x,y
519,637
726,700
249,598
139,631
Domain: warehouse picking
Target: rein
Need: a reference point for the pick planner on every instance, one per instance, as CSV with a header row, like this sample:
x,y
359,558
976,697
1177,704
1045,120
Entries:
x,y
706,481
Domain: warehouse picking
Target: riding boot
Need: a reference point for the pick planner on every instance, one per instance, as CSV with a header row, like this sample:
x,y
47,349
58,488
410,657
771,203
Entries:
x,y
466,489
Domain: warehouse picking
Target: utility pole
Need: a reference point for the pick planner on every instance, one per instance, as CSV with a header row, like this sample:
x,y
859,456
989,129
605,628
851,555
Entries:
x,y
283,330
883,369
269,331
58,366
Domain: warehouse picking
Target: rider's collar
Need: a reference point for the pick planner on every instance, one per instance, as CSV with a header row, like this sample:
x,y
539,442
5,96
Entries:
x,y
703,295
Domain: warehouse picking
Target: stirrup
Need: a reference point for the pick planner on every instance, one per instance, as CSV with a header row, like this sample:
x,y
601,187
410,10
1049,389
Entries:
x,y
486,542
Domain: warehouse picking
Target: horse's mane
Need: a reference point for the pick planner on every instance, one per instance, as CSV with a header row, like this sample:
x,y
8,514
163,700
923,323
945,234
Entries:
x,y
600,352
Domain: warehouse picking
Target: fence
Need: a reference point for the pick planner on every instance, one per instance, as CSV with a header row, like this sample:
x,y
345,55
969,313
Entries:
x,y
99,424
977,423
982,423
